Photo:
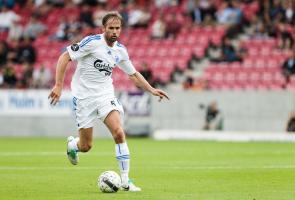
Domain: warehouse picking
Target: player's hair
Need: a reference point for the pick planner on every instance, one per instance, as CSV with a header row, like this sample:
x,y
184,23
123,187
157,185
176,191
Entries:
x,y
109,15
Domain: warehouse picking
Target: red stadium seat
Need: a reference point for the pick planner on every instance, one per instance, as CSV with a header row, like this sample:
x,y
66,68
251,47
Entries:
x,y
260,68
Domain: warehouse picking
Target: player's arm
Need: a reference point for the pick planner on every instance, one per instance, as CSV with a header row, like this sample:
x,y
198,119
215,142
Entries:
x,y
127,66
140,81
61,67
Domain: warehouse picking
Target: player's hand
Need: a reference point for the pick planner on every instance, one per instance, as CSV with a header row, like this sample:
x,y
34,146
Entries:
x,y
160,93
55,94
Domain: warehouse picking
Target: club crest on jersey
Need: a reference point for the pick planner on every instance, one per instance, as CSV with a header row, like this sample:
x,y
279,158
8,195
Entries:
x,y
117,59
75,47
103,67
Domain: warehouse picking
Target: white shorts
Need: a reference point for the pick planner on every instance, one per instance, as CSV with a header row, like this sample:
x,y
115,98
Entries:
x,y
87,110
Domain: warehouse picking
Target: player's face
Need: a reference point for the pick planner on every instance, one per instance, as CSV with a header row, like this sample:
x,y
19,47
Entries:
x,y
112,30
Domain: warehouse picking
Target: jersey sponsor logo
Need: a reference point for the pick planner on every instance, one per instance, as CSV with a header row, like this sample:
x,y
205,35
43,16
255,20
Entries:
x,y
103,67
75,47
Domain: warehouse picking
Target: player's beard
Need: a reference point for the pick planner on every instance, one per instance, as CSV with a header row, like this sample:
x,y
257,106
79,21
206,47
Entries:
x,y
113,39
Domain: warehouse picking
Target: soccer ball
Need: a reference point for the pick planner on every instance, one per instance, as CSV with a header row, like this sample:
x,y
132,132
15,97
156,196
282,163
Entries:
x,y
109,181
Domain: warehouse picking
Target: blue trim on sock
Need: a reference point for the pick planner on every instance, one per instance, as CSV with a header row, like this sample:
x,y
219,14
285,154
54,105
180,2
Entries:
x,y
123,158
119,148
123,155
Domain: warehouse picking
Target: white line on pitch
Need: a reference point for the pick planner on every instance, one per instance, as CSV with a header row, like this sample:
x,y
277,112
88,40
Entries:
x,y
54,153
61,153
155,167
50,153
50,168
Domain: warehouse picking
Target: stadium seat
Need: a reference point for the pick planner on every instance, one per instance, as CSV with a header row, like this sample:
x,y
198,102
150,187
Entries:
x,y
260,68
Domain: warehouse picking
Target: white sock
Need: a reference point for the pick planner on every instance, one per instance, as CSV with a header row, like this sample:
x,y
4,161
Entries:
x,y
123,157
74,144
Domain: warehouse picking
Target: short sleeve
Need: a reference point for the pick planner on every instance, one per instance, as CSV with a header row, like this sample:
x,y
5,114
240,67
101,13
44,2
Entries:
x,y
82,48
125,64
127,67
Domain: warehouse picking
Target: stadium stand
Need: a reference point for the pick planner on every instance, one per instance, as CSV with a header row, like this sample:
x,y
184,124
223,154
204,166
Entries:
x,y
201,24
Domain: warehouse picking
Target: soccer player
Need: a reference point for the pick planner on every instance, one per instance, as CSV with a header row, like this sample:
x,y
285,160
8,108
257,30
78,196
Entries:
x,y
93,91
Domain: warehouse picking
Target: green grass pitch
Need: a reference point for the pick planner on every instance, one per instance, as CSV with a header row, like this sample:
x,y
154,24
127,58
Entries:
x,y
37,169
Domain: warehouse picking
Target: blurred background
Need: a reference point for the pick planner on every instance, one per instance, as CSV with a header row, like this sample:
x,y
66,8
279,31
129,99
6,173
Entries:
x,y
227,65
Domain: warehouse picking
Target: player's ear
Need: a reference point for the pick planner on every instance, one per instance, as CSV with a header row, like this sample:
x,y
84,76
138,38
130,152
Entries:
x,y
103,28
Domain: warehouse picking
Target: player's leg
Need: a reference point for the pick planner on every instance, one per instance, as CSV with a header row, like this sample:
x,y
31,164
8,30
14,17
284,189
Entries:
x,y
85,114
85,139
113,122
82,143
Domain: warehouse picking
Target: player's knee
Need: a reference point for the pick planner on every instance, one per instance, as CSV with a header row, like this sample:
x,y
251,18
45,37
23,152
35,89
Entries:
x,y
85,147
119,135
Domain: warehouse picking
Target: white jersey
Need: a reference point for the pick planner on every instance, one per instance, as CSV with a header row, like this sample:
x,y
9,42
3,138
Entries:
x,y
96,61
